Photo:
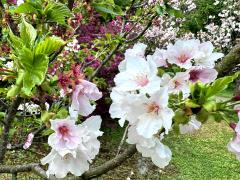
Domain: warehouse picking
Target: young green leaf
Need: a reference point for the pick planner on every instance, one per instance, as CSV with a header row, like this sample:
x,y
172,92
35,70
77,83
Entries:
x,y
27,33
49,45
57,12
26,8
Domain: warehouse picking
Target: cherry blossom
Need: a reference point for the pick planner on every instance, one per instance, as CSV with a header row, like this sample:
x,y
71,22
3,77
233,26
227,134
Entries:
x,y
28,141
61,164
156,114
206,57
203,74
183,52
138,50
234,145
124,105
66,136
83,93
179,83
74,146
139,75
150,147
191,126
159,57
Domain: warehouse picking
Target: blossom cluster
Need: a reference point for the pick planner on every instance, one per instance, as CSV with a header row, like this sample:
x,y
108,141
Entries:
x,y
141,97
73,145
221,29
222,33
167,29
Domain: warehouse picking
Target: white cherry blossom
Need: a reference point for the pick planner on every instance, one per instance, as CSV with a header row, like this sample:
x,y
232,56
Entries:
x,y
183,52
159,57
139,75
191,126
206,57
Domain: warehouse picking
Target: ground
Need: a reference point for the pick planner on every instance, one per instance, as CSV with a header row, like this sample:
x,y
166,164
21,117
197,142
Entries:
x,y
202,155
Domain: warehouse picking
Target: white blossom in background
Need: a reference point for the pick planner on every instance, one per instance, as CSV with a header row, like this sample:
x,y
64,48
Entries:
x,y
191,126
72,46
29,108
19,2
73,146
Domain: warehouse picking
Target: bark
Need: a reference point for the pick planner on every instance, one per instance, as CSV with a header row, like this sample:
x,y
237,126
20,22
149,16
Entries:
x,y
229,62
7,126
90,174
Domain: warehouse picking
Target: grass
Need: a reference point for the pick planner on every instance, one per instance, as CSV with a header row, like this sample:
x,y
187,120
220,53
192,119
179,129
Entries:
x,y
202,155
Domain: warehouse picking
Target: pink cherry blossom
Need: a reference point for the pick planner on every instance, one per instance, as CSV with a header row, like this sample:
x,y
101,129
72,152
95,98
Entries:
x,y
83,93
234,145
66,135
28,141
203,74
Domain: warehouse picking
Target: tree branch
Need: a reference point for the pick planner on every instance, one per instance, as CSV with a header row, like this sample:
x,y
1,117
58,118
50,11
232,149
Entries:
x,y
111,164
109,56
70,4
8,122
95,172
229,62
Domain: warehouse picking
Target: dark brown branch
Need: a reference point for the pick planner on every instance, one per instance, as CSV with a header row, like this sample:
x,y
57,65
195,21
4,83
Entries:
x,y
8,122
70,4
229,62
17,168
109,56
143,31
95,172
111,164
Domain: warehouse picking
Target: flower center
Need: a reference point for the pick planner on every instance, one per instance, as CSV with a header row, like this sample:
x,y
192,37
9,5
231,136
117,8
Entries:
x,y
183,58
153,108
63,130
176,84
194,75
142,80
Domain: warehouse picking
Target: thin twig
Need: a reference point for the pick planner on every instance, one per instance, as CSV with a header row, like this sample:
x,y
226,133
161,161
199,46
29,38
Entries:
x,y
122,140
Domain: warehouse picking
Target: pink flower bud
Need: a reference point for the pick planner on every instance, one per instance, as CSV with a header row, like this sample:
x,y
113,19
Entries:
x,y
28,141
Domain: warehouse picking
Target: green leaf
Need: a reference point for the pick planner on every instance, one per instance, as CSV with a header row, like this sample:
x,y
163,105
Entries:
x,y
27,33
25,8
174,12
57,12
219,85
108,9
35,68
180,117
49,45
161,10
203,115
17,87
15,41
